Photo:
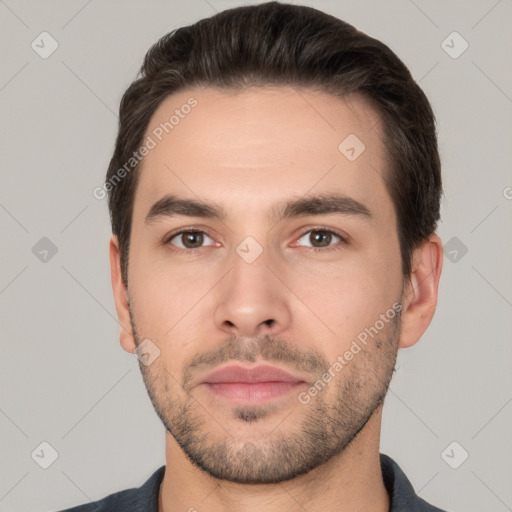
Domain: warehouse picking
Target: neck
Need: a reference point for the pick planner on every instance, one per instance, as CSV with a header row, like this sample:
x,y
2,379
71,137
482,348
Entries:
x,y
351,480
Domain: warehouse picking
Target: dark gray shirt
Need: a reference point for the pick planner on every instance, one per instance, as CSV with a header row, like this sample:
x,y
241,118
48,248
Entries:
x,y
145,498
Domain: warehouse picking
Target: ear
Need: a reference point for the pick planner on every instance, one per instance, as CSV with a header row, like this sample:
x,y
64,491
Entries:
x,y
120,296
420,294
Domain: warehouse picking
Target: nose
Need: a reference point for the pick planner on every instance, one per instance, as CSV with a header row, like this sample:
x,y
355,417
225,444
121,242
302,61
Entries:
x,y
252,299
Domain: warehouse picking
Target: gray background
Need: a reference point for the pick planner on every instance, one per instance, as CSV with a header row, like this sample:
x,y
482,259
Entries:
x,y
64,378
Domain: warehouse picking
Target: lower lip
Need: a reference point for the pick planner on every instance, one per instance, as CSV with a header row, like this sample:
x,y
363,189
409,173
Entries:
x,y
255,393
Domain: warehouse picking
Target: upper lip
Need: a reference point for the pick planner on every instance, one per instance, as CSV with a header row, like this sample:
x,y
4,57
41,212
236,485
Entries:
x,y
249,375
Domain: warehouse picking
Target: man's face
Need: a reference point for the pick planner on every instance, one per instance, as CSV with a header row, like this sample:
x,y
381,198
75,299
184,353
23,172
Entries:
x,y
290,288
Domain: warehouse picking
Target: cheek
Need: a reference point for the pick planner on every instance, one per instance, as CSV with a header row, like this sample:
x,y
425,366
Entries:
x,y
164,290
166,305
347,304
352,295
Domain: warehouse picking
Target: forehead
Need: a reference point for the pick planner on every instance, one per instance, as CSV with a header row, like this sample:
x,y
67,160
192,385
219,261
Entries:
x,y
262,144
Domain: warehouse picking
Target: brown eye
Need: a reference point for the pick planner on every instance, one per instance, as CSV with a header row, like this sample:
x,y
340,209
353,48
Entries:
x,y
189,239
319,238
322,238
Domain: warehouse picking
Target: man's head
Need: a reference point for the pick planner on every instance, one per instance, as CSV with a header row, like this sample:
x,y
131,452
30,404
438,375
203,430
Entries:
x,y
283,213
293,45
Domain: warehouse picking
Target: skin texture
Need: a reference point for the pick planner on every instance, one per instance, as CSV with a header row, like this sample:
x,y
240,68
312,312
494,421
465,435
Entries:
x,y
292,307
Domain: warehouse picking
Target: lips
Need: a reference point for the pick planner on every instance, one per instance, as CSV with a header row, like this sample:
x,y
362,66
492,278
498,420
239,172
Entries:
x,y
262,373
254,386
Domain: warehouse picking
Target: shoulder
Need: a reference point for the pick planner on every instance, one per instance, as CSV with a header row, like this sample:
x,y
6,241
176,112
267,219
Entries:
x,y
137,499
402,494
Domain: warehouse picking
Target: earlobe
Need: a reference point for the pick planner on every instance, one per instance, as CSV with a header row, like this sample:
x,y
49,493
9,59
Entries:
x,y
120,297
420,294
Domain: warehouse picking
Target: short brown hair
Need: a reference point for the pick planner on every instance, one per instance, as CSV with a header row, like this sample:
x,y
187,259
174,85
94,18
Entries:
x,y
284,44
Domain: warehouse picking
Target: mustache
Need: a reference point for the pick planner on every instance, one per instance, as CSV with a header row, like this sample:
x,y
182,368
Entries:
x,y
268,348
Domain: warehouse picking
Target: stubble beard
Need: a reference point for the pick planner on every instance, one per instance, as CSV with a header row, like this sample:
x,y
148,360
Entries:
x,y
327,425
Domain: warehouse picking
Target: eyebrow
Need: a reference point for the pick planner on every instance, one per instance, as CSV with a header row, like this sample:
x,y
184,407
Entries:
x,y
320,204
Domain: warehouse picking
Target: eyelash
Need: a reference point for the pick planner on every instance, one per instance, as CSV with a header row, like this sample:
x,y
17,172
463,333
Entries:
x,y
343,239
